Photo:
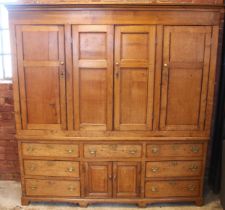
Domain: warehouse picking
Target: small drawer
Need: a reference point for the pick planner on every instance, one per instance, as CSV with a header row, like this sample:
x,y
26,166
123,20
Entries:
x,y
173,169
38,187
50,150
51,168
162,189
175,150
112,151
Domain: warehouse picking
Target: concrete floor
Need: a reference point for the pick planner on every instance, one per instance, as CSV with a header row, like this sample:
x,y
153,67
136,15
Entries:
x,y
10,200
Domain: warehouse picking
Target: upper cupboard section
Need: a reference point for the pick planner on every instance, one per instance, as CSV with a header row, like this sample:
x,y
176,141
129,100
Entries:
x,y
113,83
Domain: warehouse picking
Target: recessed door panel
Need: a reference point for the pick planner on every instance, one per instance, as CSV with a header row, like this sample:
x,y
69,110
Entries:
x,y
98,179
93,73
41,70
134,77
186,58
126,179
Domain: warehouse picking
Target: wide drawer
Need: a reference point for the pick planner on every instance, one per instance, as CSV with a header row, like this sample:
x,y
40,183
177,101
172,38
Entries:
x,y
45,187
173,169
160,189
174,150
50,150
51,168
112,151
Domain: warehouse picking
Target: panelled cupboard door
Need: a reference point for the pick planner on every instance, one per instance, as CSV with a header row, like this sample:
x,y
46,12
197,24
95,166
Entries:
x,y
185,75
134,77
98,179
126,179
41,72
93,76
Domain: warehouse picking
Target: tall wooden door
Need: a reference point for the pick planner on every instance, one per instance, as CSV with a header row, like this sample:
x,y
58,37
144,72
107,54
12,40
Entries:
x,y
98,179
93,76
134,77
41,70
127,179
185,75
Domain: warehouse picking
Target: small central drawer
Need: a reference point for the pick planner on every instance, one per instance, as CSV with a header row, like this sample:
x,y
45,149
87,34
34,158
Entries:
x,y
174,150
37,187
51,168
163,189
50,150
173,169
112,151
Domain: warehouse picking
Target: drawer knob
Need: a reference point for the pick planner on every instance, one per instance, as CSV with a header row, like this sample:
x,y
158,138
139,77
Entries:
x,y
195,149
194,168
71,169
33,187
155,169
71,188
191,188
154,189
92,152
155,150
70,151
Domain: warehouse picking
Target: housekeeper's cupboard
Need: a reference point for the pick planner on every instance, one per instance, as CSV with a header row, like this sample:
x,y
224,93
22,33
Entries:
x,y
114,100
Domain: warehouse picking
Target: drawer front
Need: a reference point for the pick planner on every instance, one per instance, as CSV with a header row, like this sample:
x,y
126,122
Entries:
x,y
112,151
50,150
51,168
173,169
175,150
160,189
52,188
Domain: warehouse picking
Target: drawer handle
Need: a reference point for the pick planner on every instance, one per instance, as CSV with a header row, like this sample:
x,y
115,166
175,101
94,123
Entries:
x,y
174,163
133,152
191,188
70,151
32,168
71,169
194,168
33,187
195,149
154,189
155,169
92,152
71,188
30,149
155,150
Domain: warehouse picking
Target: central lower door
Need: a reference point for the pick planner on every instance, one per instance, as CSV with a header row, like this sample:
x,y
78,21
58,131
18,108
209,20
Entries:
x,y
134,77
112,179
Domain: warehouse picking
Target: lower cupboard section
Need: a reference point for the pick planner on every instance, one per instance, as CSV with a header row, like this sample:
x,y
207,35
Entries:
x,y
38,187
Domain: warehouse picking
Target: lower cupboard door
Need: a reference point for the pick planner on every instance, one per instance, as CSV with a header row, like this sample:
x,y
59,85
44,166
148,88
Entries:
x,y
162,189
126,177
98,179
58,188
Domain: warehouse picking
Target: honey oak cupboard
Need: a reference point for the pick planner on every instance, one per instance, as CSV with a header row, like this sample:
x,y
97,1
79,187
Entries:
x,y
114,100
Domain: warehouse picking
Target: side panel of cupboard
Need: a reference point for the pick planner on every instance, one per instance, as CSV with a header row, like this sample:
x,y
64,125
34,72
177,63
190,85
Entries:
x,y
92,76
41,72
185,77
134,77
